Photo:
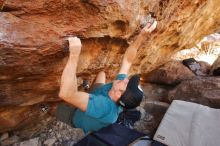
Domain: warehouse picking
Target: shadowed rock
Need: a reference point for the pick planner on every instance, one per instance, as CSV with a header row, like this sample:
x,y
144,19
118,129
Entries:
x,y
204,91
170,73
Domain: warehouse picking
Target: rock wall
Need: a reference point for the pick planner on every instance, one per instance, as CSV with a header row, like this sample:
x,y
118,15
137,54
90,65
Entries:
x,y
33,52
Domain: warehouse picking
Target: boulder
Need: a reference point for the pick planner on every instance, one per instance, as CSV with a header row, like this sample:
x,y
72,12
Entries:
x,y
14,118
155,92
171,73
9,141
4,136
50,141
154,112
204,67
205,91
195,66
199,68
30,142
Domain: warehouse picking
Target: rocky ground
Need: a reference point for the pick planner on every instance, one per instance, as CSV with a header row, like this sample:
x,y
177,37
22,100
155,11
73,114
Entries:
x,y
55,134
58,133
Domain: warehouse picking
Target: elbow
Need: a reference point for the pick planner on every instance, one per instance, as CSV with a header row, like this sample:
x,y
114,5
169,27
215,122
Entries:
x,y
67,95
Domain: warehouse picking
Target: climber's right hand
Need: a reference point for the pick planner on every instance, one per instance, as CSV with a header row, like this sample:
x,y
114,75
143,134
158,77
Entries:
x,y
74,45
150,26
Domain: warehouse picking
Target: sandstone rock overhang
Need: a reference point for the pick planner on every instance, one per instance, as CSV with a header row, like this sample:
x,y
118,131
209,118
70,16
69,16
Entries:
x,y
32,53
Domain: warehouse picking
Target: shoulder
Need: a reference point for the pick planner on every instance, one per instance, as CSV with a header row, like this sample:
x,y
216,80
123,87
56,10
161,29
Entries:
x,y
102,90
100,106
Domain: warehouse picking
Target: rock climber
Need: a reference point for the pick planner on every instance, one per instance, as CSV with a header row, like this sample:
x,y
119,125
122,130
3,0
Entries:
x,y
102,105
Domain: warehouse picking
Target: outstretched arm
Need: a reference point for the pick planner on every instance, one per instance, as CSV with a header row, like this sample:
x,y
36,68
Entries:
x,y
131,51
68,87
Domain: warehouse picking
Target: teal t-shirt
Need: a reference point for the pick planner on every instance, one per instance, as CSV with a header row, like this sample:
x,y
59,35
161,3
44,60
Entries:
x,y
101,110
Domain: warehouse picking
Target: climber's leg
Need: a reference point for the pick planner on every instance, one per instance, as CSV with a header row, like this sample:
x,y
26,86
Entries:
x,y
100,78
99,81
64,113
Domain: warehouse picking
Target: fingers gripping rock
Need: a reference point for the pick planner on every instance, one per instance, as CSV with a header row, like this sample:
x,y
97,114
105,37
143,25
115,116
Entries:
x,y
74,45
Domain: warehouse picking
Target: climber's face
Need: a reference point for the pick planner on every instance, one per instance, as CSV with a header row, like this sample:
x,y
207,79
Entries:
x,y
118,88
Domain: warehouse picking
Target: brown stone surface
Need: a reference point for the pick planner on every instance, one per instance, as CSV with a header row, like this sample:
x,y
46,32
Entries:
x,y
32,54
154,112
154,92
204,67
204,91
215,65
170,73
12,118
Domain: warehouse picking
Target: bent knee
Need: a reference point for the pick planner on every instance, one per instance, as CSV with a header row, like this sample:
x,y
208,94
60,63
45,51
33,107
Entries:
x,y
100,78
101,73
